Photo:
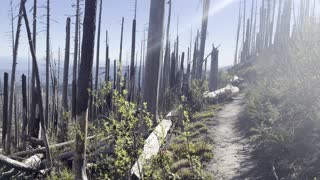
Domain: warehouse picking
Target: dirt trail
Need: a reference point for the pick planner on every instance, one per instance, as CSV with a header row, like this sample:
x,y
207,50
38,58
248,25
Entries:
x,y
232,159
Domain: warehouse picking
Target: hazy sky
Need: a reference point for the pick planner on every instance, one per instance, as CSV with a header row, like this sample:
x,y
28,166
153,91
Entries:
x,y
221,27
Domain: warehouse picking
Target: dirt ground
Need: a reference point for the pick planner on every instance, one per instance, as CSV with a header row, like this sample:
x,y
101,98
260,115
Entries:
x,y
232,150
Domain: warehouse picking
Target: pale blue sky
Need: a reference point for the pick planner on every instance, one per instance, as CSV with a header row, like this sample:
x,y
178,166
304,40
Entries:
x,y
221,27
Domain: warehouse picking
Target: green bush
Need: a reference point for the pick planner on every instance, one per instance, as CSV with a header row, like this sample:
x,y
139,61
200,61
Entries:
x,y
283,105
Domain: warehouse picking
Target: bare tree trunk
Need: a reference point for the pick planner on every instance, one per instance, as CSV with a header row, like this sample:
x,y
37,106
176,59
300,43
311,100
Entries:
x,y
115,74
5,109
254,36
173,72
244,22
120,59
213,82
95,109
16,123
154,52
12,83
238,35
25,111
64,124
166,64
85,71
195,57
107,65
251,28
46,114
107,77
132,68
206,6
38,83
34,34
272,21
75,60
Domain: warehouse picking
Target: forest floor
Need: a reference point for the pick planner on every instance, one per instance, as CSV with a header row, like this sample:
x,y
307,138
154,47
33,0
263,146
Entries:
x,y
232,149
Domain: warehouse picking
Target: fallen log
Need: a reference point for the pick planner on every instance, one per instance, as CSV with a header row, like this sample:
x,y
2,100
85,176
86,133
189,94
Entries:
x,y
225,92
152,146
29,165
35,141
32,162
43,150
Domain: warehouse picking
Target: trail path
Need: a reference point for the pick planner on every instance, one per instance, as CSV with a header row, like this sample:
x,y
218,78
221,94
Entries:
x,y
232,159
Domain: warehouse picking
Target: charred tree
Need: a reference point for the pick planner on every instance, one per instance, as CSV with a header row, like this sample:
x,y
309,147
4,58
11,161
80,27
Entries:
x,y
75,61
38,85
119,70
24,112
166,63
64,118
154,51
173,72
213,81
5,109
85,71
206,6
133,50
238,35
95,110
107,65
12,82
46,113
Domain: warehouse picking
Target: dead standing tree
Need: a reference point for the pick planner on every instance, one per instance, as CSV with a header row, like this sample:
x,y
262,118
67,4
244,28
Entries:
x,y
213,81
64,119
238,35
204,26
25,111
75,62
85,71
13,75
133,50
154,51
5,109
95,109
46,116
38,84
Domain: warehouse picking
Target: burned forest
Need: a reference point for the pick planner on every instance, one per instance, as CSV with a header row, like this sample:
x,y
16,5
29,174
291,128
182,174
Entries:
x,y
160,89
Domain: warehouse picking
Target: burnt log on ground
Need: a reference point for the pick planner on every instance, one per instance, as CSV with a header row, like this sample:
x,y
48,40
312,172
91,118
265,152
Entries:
x,y
31,164
152,145
42,149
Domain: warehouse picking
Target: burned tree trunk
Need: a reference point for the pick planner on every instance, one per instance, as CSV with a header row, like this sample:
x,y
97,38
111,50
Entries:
x,y
5,109
95,109
34,32
75,62
213,81
173,72
13,75
115,74
25,111
107,77
206,6
238,35
154,51
166,63
46,114
64,123
132,68
195,58
85,71
38,87
119,75
107,65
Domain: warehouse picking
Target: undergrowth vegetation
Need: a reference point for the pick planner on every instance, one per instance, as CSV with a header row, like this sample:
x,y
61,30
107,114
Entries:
x,y
186,156
283,105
